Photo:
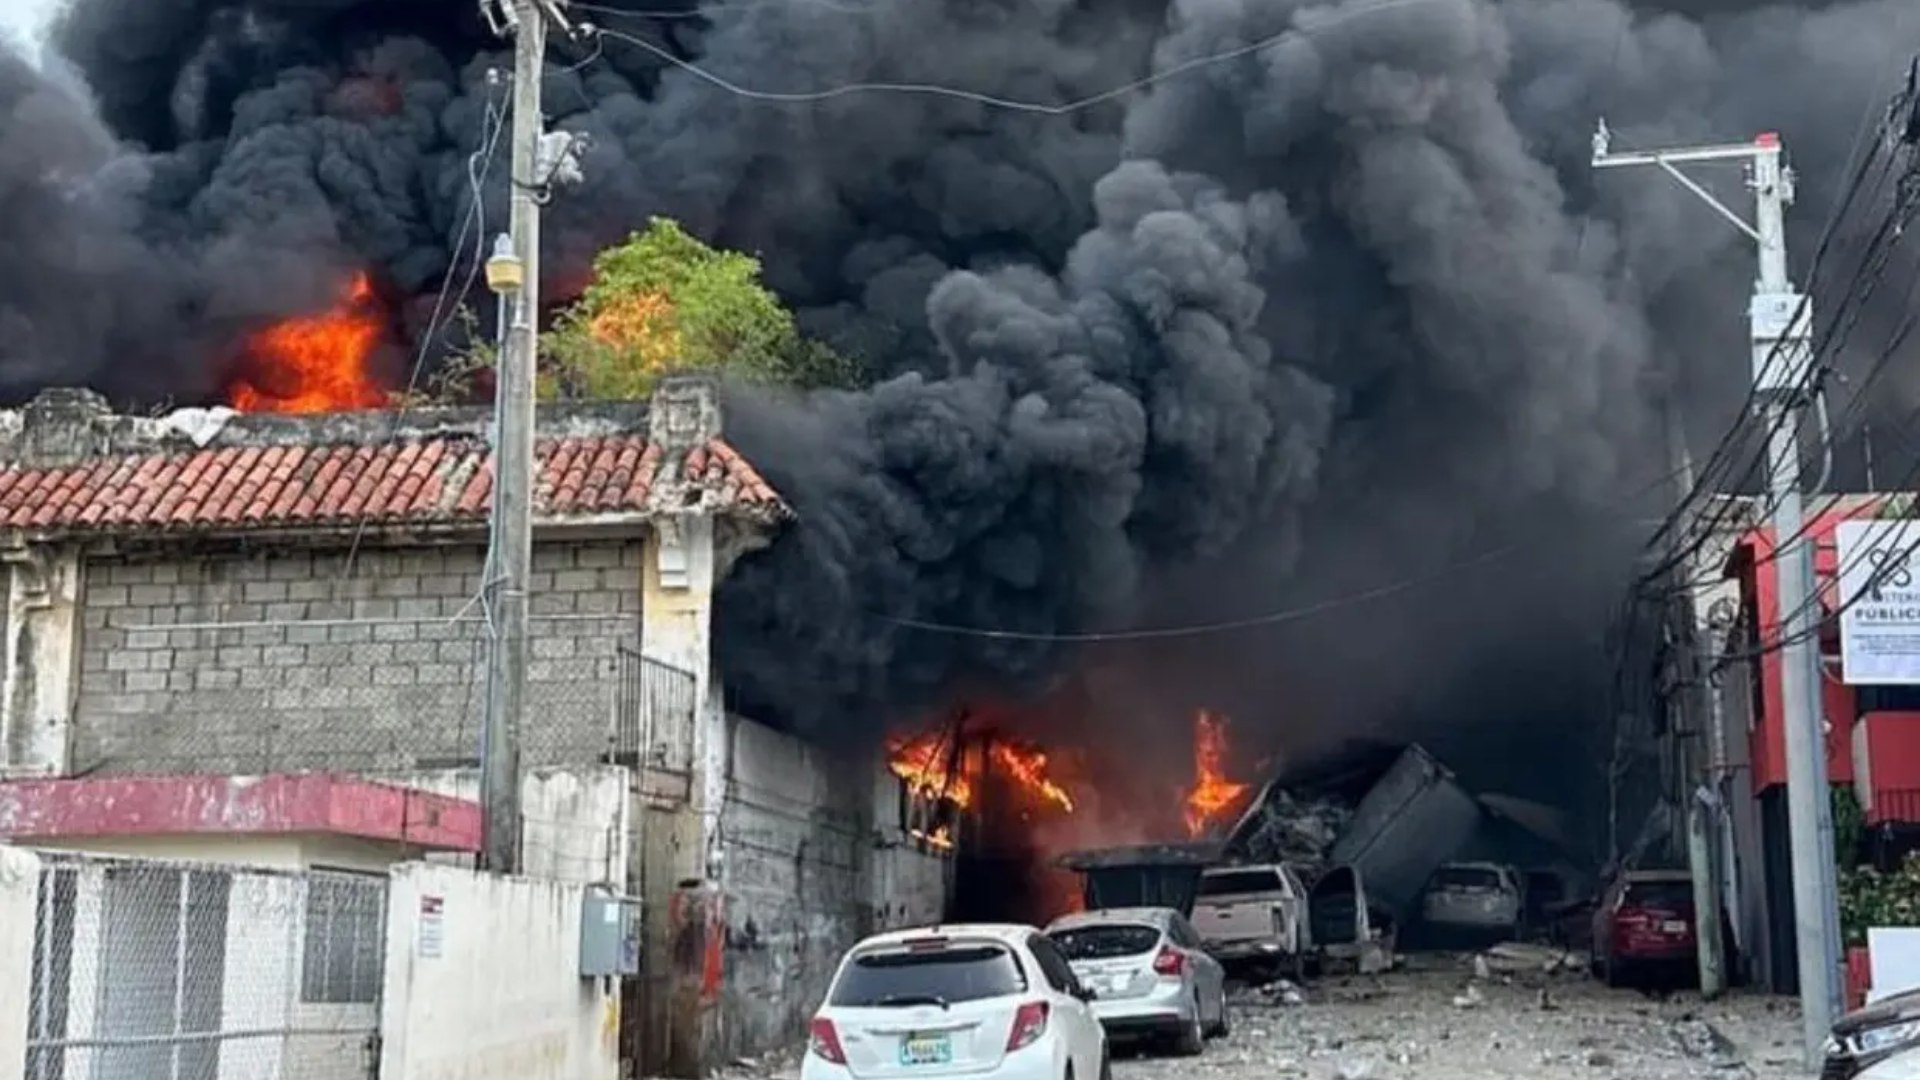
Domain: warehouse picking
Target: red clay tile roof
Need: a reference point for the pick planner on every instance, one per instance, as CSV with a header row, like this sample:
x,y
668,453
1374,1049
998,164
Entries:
x,y
436,480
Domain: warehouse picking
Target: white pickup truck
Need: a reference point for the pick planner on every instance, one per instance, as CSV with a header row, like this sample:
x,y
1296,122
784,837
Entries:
x,y
1253,914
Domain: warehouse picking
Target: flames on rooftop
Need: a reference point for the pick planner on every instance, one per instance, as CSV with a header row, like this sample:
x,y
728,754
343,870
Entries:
x,y
314,363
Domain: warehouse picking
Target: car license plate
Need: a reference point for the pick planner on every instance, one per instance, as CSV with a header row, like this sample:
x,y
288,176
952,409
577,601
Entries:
x,y
1673,927
926,1050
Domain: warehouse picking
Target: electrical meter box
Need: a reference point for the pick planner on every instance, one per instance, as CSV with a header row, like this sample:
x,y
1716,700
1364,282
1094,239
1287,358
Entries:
x,y
609,935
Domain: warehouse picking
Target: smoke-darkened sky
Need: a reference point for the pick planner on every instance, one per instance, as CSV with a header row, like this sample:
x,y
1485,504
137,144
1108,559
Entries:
x,y
1338,310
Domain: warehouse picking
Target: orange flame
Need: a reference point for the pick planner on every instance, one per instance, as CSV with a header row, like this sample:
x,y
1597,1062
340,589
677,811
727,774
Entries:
x,y
923,762
1212,793
933,769
643,324
315,363
1029,767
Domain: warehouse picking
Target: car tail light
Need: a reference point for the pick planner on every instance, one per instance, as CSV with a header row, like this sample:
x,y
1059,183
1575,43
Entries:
x,y
1028,1025
824,1041
1169,961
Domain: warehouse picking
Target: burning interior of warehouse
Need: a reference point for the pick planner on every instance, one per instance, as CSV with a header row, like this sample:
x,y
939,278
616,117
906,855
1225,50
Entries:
x,y
1215,444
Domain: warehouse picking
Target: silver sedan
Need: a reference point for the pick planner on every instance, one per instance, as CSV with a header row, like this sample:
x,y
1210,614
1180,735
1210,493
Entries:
x,y
1148,973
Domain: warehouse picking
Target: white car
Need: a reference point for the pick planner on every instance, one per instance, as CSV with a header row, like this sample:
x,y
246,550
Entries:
x,y
1148,972
984,1001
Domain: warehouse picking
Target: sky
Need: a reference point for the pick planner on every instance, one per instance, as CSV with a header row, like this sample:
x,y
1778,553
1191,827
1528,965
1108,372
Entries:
x,y
25,17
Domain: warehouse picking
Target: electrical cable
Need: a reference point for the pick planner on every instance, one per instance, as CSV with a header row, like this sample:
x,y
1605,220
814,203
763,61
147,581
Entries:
x,y
1896,107
479,167
1815,372
1838,335
1009,104
1706,478
1272,618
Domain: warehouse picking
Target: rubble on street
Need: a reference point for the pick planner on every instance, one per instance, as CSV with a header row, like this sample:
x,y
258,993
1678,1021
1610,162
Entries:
x,y
1517,1014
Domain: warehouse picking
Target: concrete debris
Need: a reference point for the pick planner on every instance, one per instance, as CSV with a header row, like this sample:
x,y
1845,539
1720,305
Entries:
x,y
1517,957
1403,1025
1289,829
1471,999
202,426
1699,1039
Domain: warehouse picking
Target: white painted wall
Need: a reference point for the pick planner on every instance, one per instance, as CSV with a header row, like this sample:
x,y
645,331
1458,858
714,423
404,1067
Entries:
x,y
494,991
19,892
576,821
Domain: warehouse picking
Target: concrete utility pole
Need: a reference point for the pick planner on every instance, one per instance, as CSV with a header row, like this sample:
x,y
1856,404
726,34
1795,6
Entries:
x,y
514,272
1781,321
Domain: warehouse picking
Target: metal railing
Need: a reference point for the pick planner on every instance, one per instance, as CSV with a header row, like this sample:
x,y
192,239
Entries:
x,y
149,970
653,713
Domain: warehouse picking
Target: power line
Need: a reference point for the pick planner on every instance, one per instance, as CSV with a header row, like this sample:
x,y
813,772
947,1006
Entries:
x,y
1064,108
479,167
1272,618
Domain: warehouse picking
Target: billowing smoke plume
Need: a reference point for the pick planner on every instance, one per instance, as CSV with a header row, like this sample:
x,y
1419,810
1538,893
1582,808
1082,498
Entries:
x,y
1348,301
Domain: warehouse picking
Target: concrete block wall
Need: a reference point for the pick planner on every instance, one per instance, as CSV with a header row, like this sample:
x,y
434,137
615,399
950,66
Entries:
x,y
808,872
793,881
298,659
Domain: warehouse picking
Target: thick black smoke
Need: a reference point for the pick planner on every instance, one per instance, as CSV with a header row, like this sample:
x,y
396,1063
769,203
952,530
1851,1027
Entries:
x,y
1336,310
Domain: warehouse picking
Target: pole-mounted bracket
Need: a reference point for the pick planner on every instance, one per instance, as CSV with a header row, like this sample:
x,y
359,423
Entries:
x,y
1782,327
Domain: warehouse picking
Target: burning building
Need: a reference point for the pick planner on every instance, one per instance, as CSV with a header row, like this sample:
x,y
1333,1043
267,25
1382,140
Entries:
x,y
1179,325
1253,314
1009,790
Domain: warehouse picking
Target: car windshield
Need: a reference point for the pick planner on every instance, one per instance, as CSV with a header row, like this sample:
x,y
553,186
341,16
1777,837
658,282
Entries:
x,y
939,976
1106,941
1466,877
1236,882
1660,894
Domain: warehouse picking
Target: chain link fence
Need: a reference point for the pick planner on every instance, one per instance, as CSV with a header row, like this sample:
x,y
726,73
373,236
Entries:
x,y
174,971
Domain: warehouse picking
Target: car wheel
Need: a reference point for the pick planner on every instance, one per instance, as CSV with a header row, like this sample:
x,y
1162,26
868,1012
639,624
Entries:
x,y
1224,1027
1193,1039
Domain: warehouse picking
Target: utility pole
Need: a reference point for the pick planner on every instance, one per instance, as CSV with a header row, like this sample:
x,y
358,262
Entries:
x,y
513,272
1782,355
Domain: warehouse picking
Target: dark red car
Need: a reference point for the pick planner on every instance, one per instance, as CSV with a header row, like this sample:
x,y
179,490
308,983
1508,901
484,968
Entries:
x,y
1644,927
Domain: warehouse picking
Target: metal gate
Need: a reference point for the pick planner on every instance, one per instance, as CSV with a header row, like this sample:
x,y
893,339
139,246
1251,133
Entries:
x,y
146,970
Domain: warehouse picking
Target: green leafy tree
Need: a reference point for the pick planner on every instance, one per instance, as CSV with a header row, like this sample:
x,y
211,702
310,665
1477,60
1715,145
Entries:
x,y
663,302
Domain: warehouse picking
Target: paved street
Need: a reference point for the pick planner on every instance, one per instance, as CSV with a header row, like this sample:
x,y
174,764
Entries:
x,y
1427,1024
1432,1020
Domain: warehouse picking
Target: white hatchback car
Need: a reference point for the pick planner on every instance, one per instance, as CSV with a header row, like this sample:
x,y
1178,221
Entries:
x,y
984,1001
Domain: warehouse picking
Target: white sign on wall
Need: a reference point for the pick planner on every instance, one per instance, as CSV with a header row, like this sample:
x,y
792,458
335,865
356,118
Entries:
x,y
433,933
1880,586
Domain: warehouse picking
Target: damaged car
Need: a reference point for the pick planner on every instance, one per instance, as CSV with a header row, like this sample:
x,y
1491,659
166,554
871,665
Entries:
x,y
1879,1042
1478,901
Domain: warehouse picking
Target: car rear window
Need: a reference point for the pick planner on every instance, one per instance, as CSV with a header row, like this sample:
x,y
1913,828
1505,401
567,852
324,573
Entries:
x,y
1103,942
1466,877
945,975
1235,882
1661,894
